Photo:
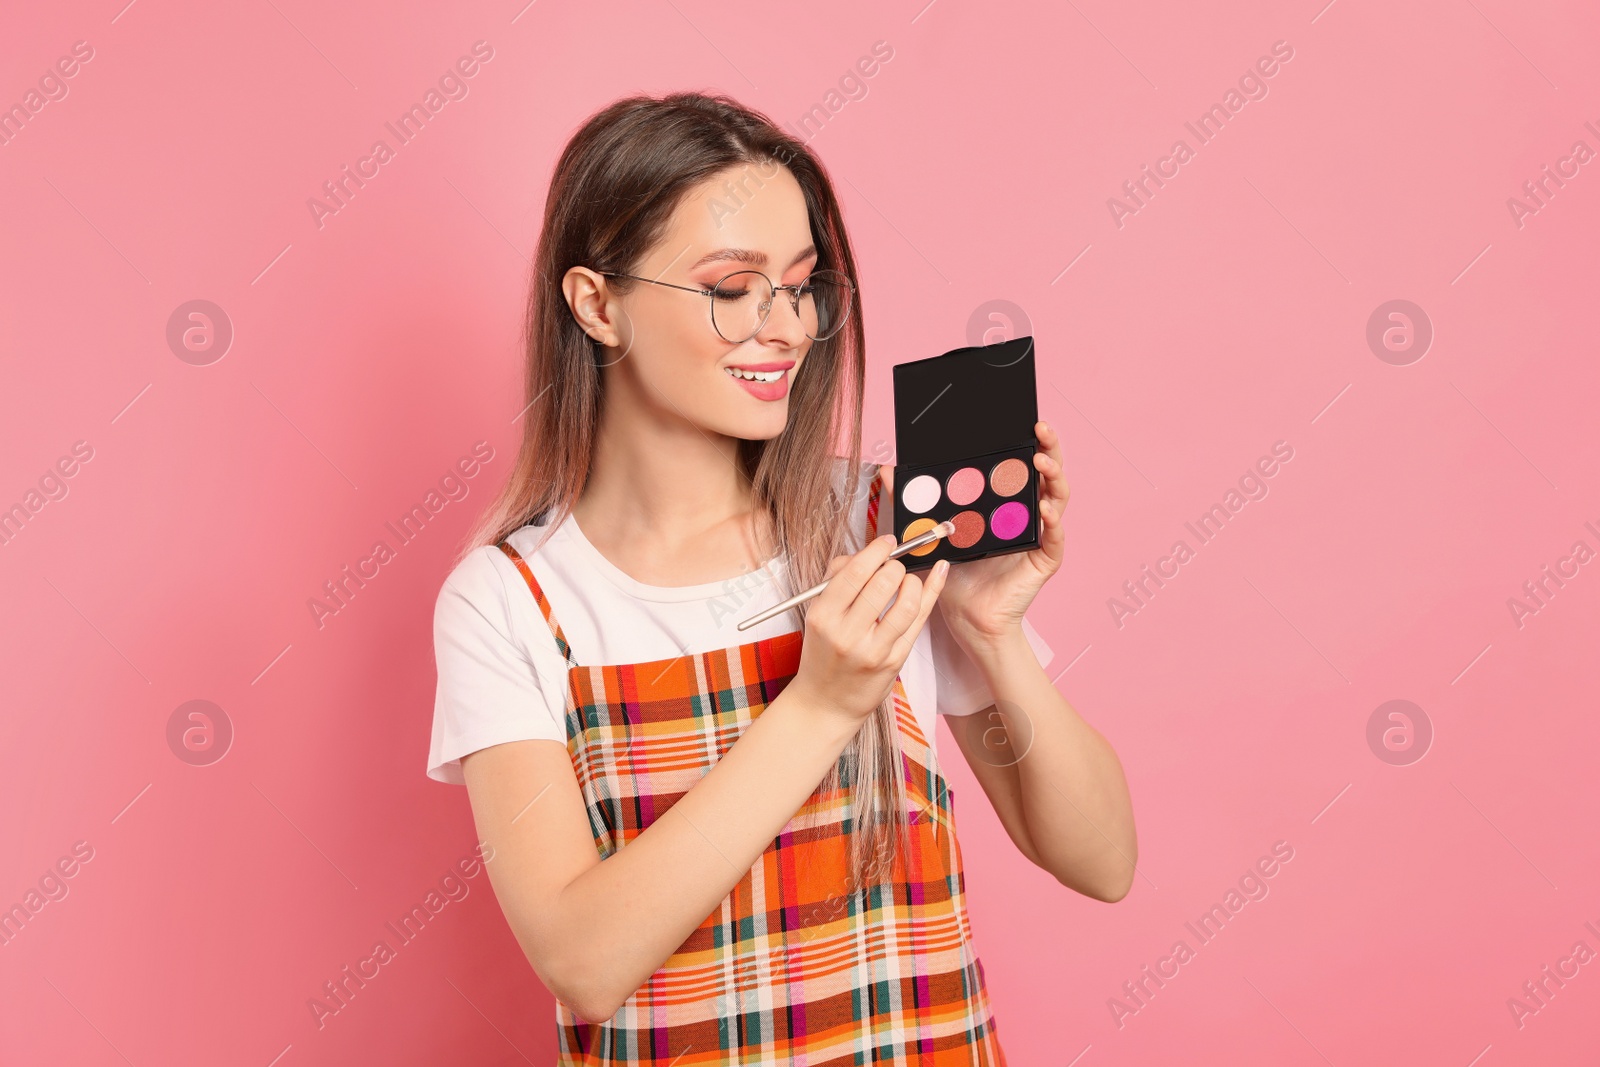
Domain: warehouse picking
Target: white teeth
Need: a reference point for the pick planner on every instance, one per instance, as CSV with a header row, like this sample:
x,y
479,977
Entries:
x,y
755,375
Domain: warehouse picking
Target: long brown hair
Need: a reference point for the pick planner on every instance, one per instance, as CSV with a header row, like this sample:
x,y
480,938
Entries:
x,y
613,192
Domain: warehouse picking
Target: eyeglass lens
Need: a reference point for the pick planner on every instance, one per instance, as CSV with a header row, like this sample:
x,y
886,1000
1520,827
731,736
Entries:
x,y
741,302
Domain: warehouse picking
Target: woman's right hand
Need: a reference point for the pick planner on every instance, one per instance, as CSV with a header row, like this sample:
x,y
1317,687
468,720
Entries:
x,y
849,657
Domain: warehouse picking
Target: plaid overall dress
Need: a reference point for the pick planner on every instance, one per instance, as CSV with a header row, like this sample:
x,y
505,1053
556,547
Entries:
x,y
791,968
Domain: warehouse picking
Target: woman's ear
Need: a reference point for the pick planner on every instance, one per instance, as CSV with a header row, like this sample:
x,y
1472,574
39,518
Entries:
x,y
588,297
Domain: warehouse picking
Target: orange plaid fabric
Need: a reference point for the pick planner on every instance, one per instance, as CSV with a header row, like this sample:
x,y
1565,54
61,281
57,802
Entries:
x,y
791,968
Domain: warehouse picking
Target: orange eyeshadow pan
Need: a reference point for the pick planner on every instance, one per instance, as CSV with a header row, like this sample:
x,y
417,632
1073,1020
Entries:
x,y
916,529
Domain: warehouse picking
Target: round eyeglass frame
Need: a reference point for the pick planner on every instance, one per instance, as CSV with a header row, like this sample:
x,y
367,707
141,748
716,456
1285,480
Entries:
x,y
792,290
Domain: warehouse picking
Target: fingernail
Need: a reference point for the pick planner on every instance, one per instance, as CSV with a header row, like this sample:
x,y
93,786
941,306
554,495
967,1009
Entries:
x,y
942,566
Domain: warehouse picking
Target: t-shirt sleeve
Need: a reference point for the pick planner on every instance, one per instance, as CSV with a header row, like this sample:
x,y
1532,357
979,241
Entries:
x,y
492,688
959,685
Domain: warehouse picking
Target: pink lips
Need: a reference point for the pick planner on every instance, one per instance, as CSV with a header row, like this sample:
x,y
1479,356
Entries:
x,y
765,390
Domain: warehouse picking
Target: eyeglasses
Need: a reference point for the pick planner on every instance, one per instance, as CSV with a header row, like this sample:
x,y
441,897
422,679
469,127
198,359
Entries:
x,y
741,302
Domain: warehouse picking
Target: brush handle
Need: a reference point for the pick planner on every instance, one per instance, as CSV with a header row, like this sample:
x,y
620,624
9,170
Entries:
x,y
944,529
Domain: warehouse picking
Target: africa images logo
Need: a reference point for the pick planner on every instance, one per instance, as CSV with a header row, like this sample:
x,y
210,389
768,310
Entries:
x,y
452,85
1252,85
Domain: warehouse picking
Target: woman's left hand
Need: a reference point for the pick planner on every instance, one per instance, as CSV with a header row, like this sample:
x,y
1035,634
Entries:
x,y
984,599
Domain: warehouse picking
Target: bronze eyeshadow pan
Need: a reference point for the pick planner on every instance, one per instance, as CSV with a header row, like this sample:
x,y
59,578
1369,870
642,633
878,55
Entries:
x,y
964,448
969,529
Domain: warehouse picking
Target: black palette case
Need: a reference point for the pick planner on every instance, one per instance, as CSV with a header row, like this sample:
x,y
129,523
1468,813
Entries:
x,y
967,413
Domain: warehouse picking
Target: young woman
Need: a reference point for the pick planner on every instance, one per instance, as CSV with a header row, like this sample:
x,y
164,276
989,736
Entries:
x,y
715,845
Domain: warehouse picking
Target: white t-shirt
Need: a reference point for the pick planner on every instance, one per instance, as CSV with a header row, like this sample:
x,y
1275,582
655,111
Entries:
x,y
502,677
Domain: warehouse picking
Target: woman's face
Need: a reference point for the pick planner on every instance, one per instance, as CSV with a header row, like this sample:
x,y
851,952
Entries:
x,y
667,355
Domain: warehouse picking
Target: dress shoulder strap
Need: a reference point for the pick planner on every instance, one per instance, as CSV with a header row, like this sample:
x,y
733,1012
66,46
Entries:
x,y
541,600
875,489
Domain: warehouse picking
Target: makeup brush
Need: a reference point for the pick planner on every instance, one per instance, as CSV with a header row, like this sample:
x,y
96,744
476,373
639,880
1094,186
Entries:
x,y
944,529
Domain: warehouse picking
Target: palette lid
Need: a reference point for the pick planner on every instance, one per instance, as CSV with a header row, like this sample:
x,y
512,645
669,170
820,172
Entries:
x,y
965,403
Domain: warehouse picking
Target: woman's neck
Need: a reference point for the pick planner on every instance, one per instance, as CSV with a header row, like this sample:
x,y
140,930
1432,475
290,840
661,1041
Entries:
x,y
666,503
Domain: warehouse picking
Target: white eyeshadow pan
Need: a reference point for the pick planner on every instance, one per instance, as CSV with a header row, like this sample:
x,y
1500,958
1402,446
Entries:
x,y
920,493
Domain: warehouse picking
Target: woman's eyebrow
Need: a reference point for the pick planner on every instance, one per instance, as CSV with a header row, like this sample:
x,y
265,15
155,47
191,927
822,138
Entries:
x,y
746,255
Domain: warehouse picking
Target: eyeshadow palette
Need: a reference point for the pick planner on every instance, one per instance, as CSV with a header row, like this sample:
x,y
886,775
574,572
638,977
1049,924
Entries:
x,y
964,444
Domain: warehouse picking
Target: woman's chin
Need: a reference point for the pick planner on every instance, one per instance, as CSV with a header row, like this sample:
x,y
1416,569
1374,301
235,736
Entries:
x,y
760,427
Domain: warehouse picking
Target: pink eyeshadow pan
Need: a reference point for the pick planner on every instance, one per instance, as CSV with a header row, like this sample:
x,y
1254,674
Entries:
x,y
920,493
1009,520
965,486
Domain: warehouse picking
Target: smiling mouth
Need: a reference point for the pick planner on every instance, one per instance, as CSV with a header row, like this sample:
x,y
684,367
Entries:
x,y
755,375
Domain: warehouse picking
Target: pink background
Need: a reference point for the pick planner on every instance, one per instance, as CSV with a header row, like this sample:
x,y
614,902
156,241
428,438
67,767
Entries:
x,y
1229,313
